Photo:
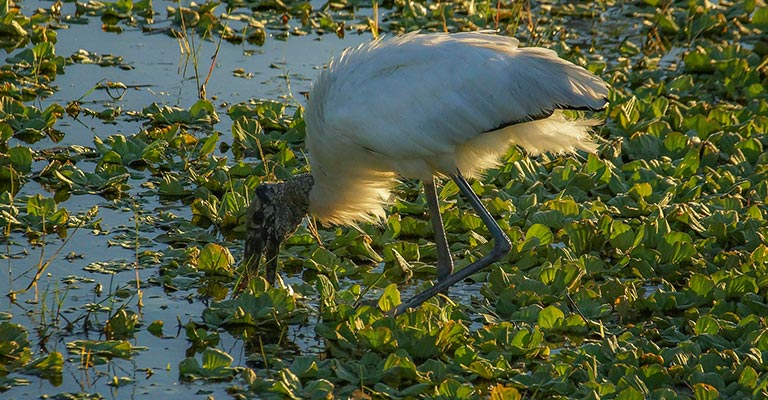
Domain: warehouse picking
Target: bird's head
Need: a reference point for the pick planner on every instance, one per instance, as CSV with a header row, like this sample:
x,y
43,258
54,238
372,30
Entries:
x,y
274,214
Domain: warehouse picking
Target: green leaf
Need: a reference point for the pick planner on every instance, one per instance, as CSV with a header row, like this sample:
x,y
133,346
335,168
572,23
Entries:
x,y
318,389
751,148
667,23
122,325
551,318
49,367
659,107
760,18
582,236
244,129
156,328
630,393
390,298
215,366
216,259
641,190
453,389
700,284
706,325
703,391
209,144
407,250
214,359
15,349
749,378
567,207
448,190
202,108
698,61
676,246
537,235
305,367
107,348
501,392
483,368
739,286
400,365
378,339
21,159
6,132
257,309
621,237
327,291
689,165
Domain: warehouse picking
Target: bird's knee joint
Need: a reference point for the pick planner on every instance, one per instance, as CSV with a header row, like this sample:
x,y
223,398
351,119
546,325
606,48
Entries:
x,y
502,247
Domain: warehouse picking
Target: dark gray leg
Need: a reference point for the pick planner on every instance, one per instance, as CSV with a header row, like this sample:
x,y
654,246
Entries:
x,y
444,261
501,247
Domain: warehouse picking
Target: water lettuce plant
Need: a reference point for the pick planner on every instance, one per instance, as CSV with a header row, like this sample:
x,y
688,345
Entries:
x,y
637,272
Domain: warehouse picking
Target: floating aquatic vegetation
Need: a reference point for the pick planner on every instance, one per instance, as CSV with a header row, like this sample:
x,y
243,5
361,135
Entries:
x,y
638,272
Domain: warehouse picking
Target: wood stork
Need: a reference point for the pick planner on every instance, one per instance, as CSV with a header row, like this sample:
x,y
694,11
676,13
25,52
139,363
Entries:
x,y
423,106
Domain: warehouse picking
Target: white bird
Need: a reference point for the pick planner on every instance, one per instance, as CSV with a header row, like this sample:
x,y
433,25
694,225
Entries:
x,y
423,106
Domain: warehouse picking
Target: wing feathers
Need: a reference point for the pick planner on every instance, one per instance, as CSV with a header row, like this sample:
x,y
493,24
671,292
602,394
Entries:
x,y
424,104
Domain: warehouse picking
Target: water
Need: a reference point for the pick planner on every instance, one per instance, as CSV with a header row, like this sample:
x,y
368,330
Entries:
x,y
281,69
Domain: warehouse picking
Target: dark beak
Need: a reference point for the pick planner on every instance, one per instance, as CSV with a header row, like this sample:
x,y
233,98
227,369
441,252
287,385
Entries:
x,y
272,252
255,246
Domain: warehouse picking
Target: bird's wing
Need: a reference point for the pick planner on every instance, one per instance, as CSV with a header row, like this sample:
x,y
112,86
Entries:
x,y
420,95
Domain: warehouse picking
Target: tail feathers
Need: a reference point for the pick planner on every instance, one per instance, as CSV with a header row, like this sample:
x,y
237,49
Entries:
x,y
555,134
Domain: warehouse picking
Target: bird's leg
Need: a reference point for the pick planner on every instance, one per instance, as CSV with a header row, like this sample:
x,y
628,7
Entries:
x,y
444,261
501,247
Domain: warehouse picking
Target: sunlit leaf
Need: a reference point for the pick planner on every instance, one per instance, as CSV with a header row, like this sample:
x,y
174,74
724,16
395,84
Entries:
x,y
551,318
390,298
216,260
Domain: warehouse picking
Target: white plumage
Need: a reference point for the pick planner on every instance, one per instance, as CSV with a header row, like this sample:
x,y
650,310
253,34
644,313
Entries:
x,y
421,106
424,105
